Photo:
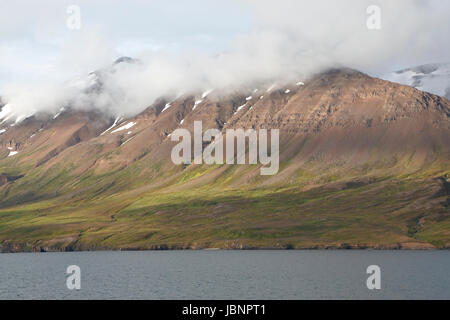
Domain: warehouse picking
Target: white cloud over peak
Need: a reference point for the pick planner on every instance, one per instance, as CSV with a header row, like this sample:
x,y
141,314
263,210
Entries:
x,y
198,45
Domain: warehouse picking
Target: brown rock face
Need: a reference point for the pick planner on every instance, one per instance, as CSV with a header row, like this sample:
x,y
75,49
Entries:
x,y
339,118
344,99
42,137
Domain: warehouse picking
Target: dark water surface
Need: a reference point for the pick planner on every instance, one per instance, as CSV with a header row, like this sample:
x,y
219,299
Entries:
x,y
226,275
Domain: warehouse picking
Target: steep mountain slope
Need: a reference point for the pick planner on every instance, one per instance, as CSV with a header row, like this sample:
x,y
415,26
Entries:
x,y
363,162
433,78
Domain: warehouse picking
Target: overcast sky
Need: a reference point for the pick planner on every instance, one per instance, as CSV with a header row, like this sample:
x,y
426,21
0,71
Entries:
x,y
222,41
35,41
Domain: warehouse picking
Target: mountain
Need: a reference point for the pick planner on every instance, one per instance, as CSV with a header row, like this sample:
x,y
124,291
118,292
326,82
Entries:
x,y
91,86
94,82
433,78
363,163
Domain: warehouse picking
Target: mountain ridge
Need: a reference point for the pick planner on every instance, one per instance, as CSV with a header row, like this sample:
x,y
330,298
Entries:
x,y
363,163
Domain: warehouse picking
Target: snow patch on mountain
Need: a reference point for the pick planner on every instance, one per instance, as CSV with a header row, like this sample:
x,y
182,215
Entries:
x,y
206,93
22,117
116,121
128,140
59,113
271,87
125,127
239,108
196,104
167,106
433,78
5,111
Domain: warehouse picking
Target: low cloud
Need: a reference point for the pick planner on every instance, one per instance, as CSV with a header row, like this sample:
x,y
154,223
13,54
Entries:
x,y
288,41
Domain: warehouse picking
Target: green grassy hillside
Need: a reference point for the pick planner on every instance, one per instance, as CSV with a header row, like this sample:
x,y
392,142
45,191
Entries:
x,y
197,209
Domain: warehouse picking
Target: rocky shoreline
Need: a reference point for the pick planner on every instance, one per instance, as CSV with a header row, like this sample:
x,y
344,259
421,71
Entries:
x,y
14,247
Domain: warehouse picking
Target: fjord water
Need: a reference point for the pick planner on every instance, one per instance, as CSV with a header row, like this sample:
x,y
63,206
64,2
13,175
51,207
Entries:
x,y
226,275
